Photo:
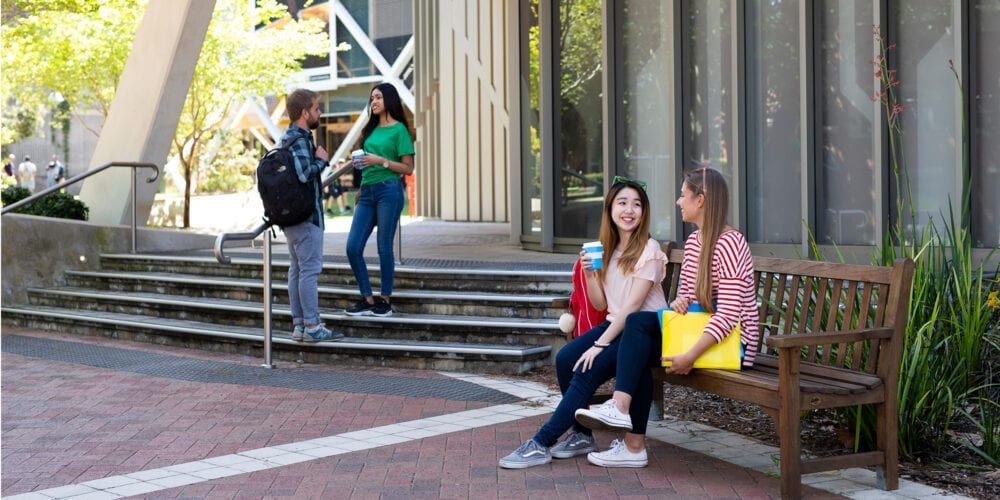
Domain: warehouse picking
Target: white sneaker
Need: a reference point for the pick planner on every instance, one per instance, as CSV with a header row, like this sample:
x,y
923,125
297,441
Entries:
x,y
618,456
604,416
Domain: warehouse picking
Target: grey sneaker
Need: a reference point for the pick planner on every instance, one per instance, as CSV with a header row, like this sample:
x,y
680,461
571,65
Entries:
x,y
527,455
576,443
297,333
320,333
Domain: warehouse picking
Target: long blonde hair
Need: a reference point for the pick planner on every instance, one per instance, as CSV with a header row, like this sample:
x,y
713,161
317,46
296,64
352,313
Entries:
x,y
712,185
609,231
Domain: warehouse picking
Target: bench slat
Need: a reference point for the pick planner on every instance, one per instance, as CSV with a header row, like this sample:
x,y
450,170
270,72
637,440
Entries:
x,y
818,315
793,296
850,300
831,319
832,270
859,347
854,377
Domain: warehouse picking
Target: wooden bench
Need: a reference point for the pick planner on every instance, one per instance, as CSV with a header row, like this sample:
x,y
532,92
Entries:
x,y
811,359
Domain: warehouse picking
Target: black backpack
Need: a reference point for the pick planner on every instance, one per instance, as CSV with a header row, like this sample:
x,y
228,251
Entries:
x,y
287,201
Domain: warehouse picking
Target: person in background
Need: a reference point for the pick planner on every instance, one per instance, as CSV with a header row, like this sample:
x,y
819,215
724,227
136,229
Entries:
x,y
9,168
26,173
55,172
389,156
305,240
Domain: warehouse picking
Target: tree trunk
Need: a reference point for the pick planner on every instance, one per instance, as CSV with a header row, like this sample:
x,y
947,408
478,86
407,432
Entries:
x,y
187,194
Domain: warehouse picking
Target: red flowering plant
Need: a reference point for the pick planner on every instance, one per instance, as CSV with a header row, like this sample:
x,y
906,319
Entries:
x,y
952,336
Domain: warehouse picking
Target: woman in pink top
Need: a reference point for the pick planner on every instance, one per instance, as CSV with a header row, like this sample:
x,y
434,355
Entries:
x,y
717,273
628,281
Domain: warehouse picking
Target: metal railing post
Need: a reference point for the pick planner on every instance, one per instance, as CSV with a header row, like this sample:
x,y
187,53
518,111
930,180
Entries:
x,y
267,299
399,241
135,197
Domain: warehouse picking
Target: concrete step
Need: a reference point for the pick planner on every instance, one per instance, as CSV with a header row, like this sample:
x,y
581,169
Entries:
x,y
335,274
401,326
399,353
436,302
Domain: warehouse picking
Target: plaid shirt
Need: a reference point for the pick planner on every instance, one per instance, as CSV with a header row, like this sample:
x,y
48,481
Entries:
x,y
307,166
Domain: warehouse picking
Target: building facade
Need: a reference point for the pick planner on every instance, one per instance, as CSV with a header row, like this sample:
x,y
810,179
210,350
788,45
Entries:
x,y
778,95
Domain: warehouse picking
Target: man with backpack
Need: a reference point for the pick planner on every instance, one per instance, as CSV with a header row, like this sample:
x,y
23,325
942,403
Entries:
x,y
305,238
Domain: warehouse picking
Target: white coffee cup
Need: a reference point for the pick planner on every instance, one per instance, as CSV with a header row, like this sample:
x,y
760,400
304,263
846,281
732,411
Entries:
x,y
594,252
356,158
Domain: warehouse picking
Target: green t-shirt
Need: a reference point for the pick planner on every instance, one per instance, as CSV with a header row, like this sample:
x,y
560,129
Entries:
x,y
391,142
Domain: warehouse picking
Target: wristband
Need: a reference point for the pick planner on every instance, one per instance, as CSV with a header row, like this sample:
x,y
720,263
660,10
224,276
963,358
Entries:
x,y
596,344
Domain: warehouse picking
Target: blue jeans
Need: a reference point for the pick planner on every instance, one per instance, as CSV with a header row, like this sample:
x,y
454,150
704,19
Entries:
x,y
305,253
376,205
578,387
641,342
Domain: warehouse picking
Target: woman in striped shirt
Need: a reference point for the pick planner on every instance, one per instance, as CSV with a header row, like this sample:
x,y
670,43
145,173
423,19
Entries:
x,y
717,273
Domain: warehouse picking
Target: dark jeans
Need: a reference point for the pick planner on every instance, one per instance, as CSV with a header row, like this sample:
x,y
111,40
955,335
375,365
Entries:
x,y
578,387
640,350
376,205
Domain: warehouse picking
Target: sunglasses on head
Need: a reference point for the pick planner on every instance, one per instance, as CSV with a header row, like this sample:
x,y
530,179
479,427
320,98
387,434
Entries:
x,y
621,179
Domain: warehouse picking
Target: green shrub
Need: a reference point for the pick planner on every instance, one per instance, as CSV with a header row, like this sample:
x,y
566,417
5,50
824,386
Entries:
x,y
59,205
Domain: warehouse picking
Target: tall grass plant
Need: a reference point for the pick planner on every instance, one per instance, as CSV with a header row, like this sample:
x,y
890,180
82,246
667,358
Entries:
x,y
952,326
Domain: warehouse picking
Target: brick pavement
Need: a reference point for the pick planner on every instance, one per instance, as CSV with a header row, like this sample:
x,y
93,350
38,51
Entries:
x,y
463,465
66,423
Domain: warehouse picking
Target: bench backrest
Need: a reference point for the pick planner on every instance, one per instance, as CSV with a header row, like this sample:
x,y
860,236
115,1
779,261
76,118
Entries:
x,y
801,297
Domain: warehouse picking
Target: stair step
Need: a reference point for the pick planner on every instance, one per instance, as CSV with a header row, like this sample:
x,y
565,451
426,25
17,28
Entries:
x,y
336,297
448,279
400,353
413,327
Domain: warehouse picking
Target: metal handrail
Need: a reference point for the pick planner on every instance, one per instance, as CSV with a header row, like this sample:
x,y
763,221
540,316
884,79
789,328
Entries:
x,y
265,228
94,171
221,256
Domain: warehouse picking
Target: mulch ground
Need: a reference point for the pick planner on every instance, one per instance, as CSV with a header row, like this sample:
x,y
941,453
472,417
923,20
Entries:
x,y
958,471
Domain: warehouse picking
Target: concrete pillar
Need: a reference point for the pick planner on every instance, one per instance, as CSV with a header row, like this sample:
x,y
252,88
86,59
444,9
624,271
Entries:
x,y
147,105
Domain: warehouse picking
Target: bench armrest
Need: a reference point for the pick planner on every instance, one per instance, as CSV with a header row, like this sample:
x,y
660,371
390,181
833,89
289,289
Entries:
x,y
810,339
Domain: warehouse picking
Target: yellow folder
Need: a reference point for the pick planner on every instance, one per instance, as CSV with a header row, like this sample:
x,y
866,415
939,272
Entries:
x,y
682,331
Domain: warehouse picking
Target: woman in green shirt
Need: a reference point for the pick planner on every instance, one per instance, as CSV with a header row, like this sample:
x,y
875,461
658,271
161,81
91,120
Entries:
x,y
389,155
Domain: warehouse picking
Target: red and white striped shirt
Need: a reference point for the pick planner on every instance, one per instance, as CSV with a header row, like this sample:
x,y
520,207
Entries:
x,y
733,289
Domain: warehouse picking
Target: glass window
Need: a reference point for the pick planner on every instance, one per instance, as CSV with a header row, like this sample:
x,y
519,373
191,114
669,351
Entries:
x,y
845,174
644,110
926,41
986,110
774,163
354,62
707,79
579,175
392,26
531,144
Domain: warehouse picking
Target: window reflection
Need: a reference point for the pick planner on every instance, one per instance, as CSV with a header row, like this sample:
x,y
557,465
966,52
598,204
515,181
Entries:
x,y
774,172
531,144
928,89
845,175
986,109
579,178
645,120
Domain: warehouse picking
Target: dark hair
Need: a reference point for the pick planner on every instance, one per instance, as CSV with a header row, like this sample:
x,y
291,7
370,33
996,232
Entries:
x,y
610,236
392,105
298,101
